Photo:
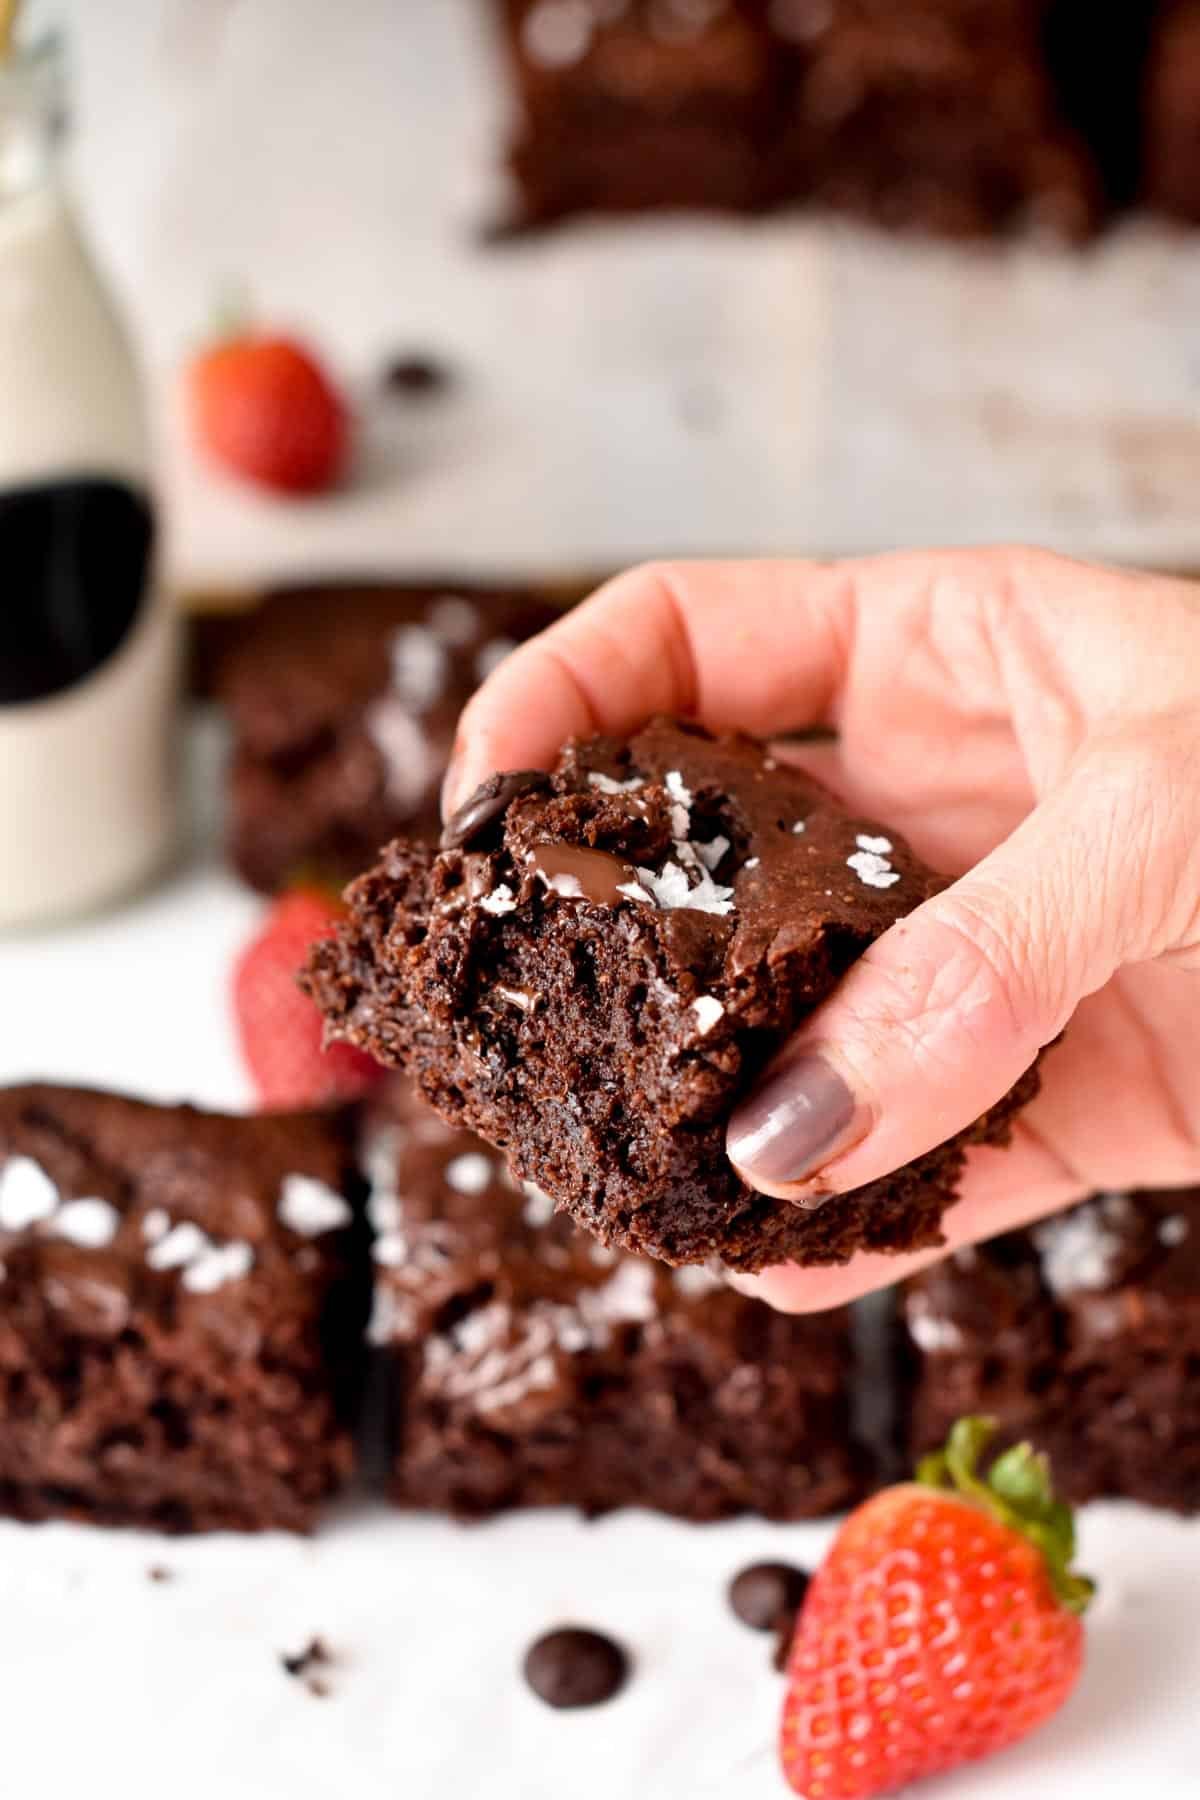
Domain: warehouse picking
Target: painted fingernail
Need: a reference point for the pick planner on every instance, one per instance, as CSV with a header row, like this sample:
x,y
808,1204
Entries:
x,y
794,1122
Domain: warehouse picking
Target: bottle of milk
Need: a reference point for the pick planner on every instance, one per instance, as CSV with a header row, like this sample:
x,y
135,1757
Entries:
x,y
88,645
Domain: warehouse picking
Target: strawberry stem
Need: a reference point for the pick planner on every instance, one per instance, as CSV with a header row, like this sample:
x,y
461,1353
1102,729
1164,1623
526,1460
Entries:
x,y
1018,1490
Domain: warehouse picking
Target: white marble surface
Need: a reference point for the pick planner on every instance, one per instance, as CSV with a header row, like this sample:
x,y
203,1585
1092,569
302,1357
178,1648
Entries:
x,y
629,389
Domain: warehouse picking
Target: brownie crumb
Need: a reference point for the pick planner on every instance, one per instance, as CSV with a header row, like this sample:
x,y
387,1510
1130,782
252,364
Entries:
x,y
315,1655
159,1573
575,1667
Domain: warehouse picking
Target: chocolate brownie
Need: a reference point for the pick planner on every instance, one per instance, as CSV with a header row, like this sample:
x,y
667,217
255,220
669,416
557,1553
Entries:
x,y
179,1315
1082,1334
934,113
598,965
344,703
1172,113
534,1366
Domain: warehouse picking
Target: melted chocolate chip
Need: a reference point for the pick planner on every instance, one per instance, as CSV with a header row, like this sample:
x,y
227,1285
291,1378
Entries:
x,y
476,824
575,1667
581,874
767,1595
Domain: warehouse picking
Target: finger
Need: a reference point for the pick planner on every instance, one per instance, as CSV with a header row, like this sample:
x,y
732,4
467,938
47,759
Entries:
x,y
758,646
946,1011
1001,1190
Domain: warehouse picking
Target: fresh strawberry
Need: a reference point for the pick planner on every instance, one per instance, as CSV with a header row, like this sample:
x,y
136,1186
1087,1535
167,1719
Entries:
x,y
944,1624
264,407
279,1027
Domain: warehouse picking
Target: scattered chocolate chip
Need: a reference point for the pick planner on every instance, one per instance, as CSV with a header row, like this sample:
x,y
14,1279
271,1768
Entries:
x,y
314,1655
417,376
575,1667
158,1573
785,1631
476,824
767,1594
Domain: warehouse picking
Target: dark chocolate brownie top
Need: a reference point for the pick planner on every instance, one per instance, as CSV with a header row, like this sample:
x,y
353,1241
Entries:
x,y
504,1296
115,1211
599,962
1117,1266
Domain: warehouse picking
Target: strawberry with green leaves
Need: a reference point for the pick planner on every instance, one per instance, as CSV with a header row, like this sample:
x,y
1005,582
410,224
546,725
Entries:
x,y
943,1625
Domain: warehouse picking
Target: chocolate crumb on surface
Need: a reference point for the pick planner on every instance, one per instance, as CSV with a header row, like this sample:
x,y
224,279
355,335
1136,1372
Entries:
x,y
315,1654
574,1667
664,928
418,376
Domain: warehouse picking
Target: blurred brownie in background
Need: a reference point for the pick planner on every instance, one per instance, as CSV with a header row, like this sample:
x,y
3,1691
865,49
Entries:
x,y
1083,1334
182,1305
1172,113
532,1366
938,114
344,702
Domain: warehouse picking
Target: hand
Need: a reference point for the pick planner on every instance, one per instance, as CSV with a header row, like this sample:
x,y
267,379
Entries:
x,y
1032,725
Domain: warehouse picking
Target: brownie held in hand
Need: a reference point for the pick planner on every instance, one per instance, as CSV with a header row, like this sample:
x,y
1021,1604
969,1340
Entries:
x,y
180,1314
597,965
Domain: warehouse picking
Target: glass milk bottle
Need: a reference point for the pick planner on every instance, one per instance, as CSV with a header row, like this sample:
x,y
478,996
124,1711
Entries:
x,y
88,644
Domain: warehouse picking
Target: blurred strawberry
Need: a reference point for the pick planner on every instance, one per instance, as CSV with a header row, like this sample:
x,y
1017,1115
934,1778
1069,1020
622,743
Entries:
x,y
279,1028
264,408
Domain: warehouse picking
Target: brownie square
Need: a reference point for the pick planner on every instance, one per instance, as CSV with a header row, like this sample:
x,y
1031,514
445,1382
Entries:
x,y
934,114
1082,1334
533,1366
599,964
1172,113
629,105
939,114
344,703
180,1312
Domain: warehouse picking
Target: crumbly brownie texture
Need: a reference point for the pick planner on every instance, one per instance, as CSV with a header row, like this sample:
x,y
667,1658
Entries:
x,y
179,1329
533,1366
939,114
594,977
344,703
1172,114
1082,1334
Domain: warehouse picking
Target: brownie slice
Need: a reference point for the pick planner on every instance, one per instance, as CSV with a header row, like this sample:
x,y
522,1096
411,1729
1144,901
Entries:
x,y
1082,1334
599,965
180,1312
934,114
344,703
1171,107
533,1366
641,104
940,114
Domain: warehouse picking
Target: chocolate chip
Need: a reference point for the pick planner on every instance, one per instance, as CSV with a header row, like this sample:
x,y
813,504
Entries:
x,y
785,1631
575,1667
417,376
767,1594
476,824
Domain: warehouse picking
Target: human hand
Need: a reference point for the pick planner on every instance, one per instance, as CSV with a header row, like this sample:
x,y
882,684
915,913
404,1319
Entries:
x,y
1032,725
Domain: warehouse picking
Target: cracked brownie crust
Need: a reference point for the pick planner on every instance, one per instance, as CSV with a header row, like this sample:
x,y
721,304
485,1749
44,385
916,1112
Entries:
x,y
600,962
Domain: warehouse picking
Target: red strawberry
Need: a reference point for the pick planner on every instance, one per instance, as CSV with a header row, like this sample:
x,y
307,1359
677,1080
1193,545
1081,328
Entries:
x,y
944,1624
279,1027
265,408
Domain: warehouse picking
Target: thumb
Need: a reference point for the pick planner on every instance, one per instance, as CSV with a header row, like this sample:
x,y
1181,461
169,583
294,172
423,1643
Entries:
x,y
946,1011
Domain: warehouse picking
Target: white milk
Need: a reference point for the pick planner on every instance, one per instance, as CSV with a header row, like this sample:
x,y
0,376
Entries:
x,y
88,645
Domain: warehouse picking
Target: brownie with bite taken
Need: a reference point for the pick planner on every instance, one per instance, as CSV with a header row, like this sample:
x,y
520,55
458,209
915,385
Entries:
x,y
598,963
343,703
1081,1334
182,1302
533,1366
